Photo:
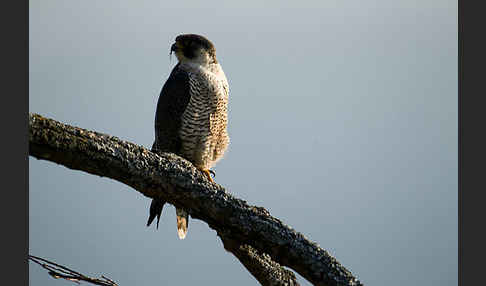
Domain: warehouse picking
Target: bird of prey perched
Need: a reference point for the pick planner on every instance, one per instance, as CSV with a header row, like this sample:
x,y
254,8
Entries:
x,y
191,115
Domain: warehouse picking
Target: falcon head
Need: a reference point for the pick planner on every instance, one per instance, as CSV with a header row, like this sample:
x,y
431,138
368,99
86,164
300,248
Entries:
x,y
194,48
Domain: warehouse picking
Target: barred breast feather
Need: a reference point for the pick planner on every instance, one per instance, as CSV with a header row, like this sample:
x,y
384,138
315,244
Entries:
x,y
203,132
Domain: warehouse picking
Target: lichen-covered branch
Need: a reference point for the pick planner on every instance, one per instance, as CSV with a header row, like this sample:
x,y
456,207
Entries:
x,y
155,176
261,265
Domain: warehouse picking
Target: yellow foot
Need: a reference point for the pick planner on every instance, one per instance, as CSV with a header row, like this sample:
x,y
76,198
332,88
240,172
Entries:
x,y
208,174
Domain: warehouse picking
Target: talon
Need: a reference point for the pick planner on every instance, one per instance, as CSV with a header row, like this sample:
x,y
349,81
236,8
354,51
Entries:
x,y
208,174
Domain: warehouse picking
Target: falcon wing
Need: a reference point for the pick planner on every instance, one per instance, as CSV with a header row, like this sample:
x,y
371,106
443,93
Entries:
x,y
173,100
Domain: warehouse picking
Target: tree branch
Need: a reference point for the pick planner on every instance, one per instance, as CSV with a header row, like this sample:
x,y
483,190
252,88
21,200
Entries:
x,y
249,232
261,265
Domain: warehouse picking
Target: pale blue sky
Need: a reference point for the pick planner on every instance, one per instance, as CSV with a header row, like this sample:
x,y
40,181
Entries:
x,y
342,118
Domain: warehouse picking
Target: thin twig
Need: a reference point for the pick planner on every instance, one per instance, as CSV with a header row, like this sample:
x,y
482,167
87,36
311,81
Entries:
x,y
58,271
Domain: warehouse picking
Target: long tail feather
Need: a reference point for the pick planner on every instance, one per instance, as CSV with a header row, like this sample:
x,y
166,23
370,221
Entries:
x,y
182,222
155,211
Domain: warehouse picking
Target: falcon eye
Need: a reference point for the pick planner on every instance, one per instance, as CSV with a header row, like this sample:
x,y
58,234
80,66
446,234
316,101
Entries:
x,y
190,51
194,45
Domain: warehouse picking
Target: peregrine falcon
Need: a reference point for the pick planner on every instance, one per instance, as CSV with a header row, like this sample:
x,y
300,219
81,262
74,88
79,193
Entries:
x,y
191,115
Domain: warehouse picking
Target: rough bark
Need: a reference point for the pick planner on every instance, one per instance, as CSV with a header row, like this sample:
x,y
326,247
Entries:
x,y
261,265
261,242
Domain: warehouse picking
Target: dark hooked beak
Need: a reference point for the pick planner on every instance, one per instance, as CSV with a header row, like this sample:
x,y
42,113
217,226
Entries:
x,y
173,48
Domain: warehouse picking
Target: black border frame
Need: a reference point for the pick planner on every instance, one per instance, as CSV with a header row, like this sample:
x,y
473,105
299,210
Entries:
x,y
15,208
471,143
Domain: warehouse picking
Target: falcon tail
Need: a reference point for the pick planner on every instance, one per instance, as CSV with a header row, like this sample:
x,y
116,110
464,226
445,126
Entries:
x,y
182,222
155,211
